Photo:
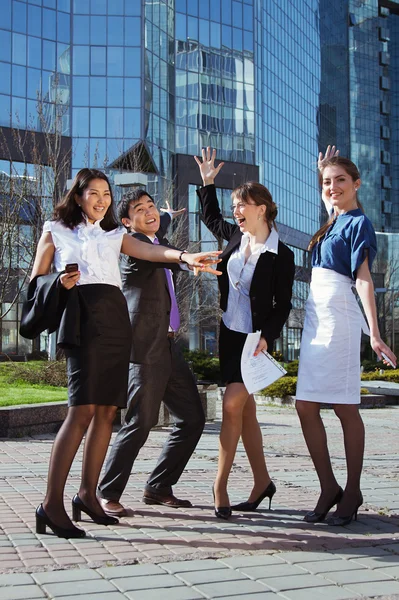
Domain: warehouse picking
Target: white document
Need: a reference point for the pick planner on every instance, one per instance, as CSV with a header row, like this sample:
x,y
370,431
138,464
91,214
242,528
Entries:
x,y
258,371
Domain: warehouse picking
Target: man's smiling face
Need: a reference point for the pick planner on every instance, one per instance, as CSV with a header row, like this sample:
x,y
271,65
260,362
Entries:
x,y
143,216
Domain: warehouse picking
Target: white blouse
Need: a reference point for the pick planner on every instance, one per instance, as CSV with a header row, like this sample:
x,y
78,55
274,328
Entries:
x,y
96,251
238,316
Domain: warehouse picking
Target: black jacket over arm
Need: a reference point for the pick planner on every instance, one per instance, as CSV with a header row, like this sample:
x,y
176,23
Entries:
x,y
271,286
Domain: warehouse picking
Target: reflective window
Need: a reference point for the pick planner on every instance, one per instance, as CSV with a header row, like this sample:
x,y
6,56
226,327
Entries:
x,y
81,7
115,60
34,52
114,123
98,91
133,8
19,48
19,81
98,7
19,16
80,122
49,24
98,60
132,92
115,7
132,31
6,15
131,122
98,30
81,28
49,59
115,31
80,91
63,27
115,91
34,78
5,78
34,20
132,62
18,113
97,122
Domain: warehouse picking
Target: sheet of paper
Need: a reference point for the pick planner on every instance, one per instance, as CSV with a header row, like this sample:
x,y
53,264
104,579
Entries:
x,y
258,371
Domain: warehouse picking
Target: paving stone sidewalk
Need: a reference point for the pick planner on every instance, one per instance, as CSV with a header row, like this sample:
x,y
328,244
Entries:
x,y
158,552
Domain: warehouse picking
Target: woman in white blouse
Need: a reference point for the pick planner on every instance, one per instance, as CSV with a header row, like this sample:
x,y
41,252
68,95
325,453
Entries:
x,y
255,294
85,236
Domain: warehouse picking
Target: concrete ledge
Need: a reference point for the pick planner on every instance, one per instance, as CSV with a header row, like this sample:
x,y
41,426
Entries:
x,y
35,419
366,401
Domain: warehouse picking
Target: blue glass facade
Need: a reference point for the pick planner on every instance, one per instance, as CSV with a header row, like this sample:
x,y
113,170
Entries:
x,y
142,85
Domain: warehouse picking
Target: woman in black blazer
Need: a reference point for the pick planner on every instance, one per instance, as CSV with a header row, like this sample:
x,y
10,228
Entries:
x,y
255,294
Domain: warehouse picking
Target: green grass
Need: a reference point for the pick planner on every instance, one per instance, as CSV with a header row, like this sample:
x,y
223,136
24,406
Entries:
x,y
13,394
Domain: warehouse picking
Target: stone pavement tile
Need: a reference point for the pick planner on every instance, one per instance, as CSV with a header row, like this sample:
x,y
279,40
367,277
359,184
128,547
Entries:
x,y
328,566
65,576
331,592
78,588
16,579
100,596
374,588
262,572
212,576
127,584
130,571
21,592
391,571
191,565
357,576
71,560
166,594
11,564
294,582
361,552
233,588
261,596
254,560
374,562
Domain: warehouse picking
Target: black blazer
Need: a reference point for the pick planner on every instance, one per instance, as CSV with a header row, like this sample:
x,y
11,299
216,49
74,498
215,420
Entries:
x,y
273,278
146,291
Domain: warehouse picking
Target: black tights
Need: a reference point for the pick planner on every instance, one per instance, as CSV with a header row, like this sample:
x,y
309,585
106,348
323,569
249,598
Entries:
x,y
316,440
97,422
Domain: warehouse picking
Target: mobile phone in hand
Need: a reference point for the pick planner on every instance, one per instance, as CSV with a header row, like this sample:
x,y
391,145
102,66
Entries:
x,y
384,356
71,268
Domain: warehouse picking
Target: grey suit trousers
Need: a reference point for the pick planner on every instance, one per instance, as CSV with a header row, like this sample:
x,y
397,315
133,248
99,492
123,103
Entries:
x,y
173,383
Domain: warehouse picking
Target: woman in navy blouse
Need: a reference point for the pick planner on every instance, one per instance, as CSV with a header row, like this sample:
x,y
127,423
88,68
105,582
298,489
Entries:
x,y
343,251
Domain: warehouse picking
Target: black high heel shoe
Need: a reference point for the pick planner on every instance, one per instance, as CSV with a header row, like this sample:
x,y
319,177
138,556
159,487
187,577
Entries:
x,y
222,512
43,521
317,517
78,507
342,521
251,506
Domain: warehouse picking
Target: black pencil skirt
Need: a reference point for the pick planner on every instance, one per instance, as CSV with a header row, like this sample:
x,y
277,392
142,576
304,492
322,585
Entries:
x,y
98,368
231,344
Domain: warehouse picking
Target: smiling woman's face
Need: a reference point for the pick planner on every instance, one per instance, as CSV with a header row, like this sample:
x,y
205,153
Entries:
x,y
339,188
95,200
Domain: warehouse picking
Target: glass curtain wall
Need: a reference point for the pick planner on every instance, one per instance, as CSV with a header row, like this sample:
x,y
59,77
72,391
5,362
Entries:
x,y
159,87
106,83
35,65
288,71
214,51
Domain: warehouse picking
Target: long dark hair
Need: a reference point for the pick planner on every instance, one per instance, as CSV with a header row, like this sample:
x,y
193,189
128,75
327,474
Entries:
x,y
261,196
69,212
351,169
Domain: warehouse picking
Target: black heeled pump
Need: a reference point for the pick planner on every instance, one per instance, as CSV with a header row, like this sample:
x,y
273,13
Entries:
x,y
317,517
222,512
78,507
251,506
43,521
342,521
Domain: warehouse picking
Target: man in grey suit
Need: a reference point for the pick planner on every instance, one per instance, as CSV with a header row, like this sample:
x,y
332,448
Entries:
x,y
158,371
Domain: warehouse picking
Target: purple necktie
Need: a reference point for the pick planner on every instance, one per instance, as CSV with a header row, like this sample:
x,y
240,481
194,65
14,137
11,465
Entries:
x,y
174,310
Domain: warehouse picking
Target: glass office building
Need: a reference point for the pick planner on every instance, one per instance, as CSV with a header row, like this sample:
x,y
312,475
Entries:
x,y
137,87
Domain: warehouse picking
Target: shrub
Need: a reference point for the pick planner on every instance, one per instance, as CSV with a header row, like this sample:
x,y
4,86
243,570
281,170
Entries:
x,y
205,365
277,355
391,375
37,355
372,365
292,368
286,386
48,373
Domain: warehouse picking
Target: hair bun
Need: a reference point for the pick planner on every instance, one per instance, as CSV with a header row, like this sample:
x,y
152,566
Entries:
x,y
273,211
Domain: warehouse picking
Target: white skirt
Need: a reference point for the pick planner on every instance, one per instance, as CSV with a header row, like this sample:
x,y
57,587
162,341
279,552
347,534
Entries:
x,y
329,361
